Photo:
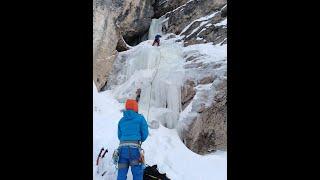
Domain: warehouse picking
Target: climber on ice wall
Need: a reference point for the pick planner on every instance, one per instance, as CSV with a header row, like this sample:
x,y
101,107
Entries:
x,y
132,131
138,92
156,40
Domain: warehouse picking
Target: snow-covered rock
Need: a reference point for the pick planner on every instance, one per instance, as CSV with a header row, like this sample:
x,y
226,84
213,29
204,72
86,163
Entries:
x,y
205,76
161,7
208,131
180,17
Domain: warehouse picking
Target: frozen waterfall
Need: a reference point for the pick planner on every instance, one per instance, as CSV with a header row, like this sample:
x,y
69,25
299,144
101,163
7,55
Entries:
x,y
156,27
158,72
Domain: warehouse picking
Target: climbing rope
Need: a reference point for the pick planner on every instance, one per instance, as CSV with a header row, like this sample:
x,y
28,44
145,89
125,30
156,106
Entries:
x,y
157,68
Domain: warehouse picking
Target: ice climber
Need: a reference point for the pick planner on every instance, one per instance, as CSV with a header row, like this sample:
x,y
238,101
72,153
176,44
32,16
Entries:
x,y
156,40
138,92
132,131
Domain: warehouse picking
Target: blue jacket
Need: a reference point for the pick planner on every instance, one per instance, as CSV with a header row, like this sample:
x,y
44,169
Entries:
x,y
132,127
157,37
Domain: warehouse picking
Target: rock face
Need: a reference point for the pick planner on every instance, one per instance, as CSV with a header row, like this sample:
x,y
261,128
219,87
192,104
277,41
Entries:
x,y
120,24
134,18
198,29
182,16
206,80
213,30
187,93
122,45
204,97
161,7
116,23
198,22
209,131
104,32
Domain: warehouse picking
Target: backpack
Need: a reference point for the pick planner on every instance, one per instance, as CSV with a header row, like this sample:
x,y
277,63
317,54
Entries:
x,y
152,173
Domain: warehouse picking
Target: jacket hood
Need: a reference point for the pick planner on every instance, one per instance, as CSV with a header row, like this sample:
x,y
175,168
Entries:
x,y
129,114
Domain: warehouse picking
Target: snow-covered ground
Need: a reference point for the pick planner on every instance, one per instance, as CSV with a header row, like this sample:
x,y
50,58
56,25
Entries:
x,y
163,66
163,147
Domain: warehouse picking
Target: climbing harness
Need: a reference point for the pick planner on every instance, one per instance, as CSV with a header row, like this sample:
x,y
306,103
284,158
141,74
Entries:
x,y
130,145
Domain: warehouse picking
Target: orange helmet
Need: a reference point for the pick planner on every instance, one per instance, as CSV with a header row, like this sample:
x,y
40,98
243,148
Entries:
x,y
132,105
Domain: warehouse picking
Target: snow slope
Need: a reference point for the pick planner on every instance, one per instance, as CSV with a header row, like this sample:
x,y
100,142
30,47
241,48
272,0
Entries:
x,y
163,147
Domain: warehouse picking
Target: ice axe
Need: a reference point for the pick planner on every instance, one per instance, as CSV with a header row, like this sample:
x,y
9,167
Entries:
x,y
102,149
104,153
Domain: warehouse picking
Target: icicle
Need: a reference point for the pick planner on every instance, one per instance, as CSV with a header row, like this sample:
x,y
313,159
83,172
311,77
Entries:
x,y
159,73
156,27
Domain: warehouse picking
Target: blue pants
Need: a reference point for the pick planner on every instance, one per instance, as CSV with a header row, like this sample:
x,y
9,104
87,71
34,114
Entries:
x,y
126,155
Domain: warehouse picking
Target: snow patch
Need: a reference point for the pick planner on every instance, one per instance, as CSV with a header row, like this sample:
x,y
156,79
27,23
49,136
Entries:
x,y
208,25
162,2
213,53
196,29
222,23
199,19
179,7
201,31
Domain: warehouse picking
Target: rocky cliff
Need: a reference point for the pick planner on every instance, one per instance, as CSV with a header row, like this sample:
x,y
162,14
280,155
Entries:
x,y
121,24
198,21
116,23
